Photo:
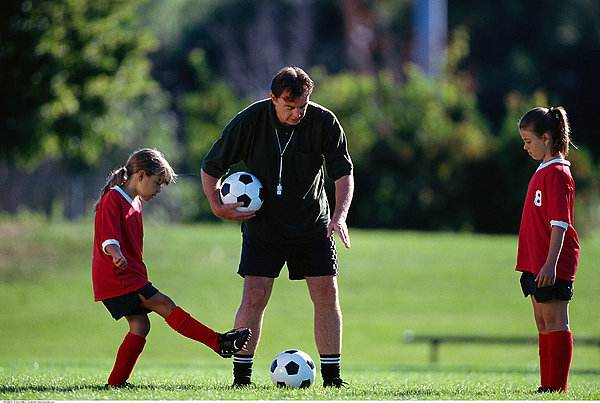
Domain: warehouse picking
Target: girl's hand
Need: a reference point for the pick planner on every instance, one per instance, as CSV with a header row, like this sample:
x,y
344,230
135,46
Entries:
x,y
547,276
119,260
117,256
229,212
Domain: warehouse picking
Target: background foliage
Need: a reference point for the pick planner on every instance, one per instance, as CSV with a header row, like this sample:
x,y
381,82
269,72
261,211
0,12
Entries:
x,y
87,82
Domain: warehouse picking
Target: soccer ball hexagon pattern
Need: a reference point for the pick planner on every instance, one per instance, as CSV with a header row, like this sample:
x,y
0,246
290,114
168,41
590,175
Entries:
x,y
242,187
293,369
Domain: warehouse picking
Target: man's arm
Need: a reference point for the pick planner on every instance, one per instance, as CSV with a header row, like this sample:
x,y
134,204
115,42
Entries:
x,y
211,187
344,189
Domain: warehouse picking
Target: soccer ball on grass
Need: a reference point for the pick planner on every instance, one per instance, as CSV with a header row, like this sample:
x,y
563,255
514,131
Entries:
x,y
293,369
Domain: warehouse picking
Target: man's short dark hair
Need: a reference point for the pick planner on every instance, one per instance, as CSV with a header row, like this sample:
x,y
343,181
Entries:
x,y
294,79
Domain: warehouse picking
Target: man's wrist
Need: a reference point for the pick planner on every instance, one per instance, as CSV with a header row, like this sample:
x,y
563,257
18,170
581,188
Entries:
x,y
338,217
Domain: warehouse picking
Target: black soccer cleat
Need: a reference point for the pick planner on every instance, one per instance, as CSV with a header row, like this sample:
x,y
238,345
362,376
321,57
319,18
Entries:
x,y
233,341
547,389
335,383
242,384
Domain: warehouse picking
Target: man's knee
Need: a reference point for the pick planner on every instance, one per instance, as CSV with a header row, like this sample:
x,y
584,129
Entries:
x,y
325,295
255,297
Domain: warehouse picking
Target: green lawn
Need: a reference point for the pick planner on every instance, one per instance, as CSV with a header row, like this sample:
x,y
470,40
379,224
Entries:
x,y
56,343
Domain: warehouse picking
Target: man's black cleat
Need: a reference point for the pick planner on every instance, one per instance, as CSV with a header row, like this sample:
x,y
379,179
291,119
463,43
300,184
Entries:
x,y
242,384
335,383
233,341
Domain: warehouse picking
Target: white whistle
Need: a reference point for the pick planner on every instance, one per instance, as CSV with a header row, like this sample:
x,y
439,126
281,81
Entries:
x,y
279,189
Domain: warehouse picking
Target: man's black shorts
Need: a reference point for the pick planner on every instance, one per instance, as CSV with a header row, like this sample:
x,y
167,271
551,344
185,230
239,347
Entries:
x,y
562,290
129,304
306,259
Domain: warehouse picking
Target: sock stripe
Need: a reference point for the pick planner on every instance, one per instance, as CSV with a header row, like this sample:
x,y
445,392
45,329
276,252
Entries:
x,y
242,360
330,368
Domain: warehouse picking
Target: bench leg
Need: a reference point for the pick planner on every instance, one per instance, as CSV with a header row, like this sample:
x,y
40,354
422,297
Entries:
x,y
433,351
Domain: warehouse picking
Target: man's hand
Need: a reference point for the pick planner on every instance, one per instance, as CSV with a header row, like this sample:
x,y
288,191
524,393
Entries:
x,y
344,188
229,212
341,228
211,187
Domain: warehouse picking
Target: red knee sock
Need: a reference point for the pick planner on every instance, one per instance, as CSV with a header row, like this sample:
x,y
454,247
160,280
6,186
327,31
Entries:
x,y
184,324
561,343
127,356
545,360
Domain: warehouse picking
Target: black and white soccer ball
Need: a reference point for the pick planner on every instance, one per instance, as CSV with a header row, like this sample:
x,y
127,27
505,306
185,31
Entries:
x,y
293,369
242,187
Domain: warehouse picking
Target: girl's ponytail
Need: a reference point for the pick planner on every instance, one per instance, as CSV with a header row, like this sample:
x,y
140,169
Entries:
x,y
562,131
116,178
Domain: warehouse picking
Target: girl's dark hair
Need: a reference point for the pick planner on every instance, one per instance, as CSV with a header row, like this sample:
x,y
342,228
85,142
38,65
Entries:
x,y
553,121
151,161
294,79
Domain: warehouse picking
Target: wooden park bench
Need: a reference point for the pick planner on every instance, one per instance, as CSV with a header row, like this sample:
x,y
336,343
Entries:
x,y
436,340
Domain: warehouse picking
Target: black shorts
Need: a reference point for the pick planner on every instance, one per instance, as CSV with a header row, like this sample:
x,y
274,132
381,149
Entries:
x,y
307,259
562,290
129,304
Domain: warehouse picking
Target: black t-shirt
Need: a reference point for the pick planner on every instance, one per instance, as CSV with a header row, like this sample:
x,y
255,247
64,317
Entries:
x,y
316,144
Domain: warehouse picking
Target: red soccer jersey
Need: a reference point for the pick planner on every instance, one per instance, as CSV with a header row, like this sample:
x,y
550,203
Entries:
x,y
118,221
549,201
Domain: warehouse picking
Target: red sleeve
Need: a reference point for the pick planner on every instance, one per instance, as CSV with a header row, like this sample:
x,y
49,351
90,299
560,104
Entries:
x,y
560,197
110,219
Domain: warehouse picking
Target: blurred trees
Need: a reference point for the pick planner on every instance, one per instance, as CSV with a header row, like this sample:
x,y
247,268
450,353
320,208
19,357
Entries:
x,y
413,144
87,82
72,73
526,46
77,97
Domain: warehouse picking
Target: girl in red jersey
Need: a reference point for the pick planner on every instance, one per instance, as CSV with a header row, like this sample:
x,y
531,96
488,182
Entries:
x,y
119,274
548,244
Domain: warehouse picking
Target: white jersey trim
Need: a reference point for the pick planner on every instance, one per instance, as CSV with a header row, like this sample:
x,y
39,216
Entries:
x,y
123,193
554,161
110,242
562,224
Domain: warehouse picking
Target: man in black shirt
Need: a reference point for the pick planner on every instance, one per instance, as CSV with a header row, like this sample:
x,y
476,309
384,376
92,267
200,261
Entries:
x,y
289,143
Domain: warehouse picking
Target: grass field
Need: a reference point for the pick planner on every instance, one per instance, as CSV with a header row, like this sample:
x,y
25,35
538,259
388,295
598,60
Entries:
x,y
56,343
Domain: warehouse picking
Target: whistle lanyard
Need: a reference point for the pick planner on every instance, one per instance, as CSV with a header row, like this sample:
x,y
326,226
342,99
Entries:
x,y
281,152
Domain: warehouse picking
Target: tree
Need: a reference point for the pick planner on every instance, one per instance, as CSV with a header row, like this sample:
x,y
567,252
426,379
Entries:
x,y
71,69
527,46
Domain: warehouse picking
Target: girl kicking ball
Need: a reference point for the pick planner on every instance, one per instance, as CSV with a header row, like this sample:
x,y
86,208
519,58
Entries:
x,y
119,274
